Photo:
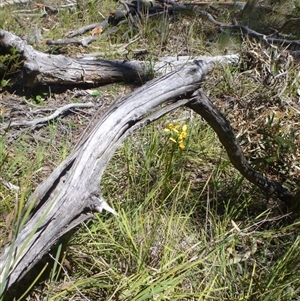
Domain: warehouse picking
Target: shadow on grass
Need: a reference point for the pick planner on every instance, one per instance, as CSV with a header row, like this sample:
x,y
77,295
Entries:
x,y
19,290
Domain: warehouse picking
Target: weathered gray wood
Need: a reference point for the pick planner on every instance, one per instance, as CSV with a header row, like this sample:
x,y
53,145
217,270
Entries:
x,y
58,111
72,191
45,69
39,68
10,2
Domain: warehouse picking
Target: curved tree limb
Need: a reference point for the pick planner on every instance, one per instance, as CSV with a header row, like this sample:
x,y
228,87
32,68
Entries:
x,y
71,193
203,106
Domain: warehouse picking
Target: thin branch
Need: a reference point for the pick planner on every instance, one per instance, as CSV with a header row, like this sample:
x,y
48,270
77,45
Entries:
x,y
203,106
58,112
129,14
9,185
82,30
248,31
85,41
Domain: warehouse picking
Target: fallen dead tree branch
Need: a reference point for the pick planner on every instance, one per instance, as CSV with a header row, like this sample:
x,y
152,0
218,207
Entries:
x,y
59,111
82,30
10,2
85,41
250,32
39,68
204,107
44,69
71,193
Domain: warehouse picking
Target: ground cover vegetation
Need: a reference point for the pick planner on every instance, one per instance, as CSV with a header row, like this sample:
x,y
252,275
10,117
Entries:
x,y
189,226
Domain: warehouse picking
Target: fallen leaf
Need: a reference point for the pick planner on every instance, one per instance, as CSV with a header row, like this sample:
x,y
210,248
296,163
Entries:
x,y
96,31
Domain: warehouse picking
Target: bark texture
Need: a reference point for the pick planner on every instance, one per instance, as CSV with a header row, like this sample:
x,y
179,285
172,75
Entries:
x,y
38,68
72,192
45,69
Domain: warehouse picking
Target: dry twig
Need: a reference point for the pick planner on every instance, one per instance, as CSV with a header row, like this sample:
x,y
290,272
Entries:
x,y
59,111
250,32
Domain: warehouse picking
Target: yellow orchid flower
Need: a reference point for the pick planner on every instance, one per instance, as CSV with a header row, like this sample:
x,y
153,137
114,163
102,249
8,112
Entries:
x,y
178,135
